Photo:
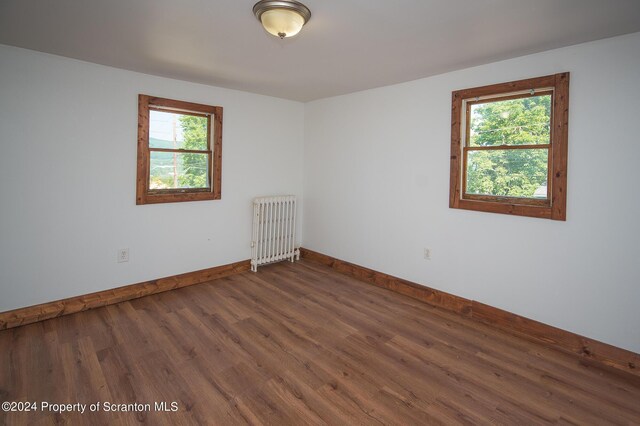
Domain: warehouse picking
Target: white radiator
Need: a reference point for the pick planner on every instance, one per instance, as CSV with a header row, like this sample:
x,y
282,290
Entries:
x,y
274,230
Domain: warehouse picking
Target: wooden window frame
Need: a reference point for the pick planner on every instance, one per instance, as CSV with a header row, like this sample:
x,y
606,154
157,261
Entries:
x,y
145,195
554,206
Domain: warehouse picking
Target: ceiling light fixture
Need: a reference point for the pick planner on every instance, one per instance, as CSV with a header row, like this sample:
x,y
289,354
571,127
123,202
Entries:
x,y
283,18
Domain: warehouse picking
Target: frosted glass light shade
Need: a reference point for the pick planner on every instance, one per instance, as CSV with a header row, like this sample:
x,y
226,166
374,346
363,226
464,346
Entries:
x,y
282,21
282,18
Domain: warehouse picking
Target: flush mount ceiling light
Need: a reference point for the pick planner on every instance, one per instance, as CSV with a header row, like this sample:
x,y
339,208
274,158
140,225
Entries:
x,y
283,18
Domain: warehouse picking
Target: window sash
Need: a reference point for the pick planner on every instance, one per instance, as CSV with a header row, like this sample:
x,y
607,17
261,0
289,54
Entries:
x,y
468,103
466,145
498,198
182,190
178,150
178,111
529,93
208,152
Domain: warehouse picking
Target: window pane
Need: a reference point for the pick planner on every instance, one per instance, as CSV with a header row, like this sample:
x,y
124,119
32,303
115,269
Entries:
x,y
524,121
177,131
178,170
508,172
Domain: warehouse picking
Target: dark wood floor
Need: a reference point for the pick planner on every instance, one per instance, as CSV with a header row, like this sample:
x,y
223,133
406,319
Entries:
x,y
299,344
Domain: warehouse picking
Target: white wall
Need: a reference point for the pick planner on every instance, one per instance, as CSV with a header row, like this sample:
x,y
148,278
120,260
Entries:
x,y
68,134
376,179
377,185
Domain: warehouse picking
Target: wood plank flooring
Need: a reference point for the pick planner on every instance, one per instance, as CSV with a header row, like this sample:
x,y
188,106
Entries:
x,y
299,344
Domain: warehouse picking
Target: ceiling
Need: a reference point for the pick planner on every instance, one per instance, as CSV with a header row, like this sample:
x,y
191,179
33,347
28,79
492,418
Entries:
x,y
347,46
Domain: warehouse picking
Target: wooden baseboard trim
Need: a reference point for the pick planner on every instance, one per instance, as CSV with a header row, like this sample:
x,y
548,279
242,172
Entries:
x,y
72,305
565,341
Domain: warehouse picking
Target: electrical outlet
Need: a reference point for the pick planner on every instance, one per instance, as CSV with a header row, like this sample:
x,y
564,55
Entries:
x,y
427,254
123,255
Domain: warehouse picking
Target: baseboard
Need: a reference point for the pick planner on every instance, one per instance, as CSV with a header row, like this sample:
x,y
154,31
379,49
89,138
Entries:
x,y
566,341
31,314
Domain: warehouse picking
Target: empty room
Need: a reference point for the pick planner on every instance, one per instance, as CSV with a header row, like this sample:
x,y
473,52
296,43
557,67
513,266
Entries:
x,y
326,212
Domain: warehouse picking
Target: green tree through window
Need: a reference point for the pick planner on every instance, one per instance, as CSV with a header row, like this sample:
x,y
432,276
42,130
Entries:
x,y
194,166
509,172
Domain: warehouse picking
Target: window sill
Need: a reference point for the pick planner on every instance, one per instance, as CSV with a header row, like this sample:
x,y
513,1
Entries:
x,y
542,212
176,197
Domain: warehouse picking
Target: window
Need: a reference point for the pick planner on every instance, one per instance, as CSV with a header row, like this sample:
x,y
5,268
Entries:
x,y
179,151
509,147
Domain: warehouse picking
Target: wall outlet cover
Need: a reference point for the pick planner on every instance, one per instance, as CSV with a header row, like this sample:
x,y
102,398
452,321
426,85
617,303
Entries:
x,y
123,255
